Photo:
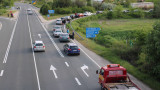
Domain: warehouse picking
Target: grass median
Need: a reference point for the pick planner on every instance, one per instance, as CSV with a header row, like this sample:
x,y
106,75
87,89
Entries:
x,y
120,26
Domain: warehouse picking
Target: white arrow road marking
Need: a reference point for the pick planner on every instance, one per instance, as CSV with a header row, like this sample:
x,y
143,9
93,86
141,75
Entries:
x,y
83,68
67,64
88,56
78,81
52,68
39,35
49,35
1,72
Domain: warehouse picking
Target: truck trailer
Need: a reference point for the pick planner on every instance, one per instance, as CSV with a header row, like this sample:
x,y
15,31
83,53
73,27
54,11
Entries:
x,y
114,77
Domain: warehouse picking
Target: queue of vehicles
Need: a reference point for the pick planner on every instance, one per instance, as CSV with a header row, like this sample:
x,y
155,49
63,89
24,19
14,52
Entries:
x,y
111,77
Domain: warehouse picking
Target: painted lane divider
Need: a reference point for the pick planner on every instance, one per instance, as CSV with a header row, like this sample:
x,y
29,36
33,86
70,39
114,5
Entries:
x,y
78,82
1,74
39,87
39,35
59,51
83,69
10,42
67,64
52,68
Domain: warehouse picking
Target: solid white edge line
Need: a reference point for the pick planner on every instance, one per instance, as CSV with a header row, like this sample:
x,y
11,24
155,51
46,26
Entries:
x,y
39,88
67,64
78,82
49,36
89,57
10,41
1,72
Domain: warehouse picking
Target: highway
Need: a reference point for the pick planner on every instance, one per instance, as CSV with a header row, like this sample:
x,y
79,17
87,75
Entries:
x,y
23,69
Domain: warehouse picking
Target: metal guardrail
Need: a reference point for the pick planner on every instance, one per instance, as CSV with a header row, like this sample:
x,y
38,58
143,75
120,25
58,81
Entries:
x,y
75,31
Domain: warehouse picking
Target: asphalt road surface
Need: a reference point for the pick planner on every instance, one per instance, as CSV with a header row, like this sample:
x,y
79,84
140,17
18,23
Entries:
x,y
22,69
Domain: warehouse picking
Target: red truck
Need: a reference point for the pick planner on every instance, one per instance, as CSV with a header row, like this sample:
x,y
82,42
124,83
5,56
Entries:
x,y
114,77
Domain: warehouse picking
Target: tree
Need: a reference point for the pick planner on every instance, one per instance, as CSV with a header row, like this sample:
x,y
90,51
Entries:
x,y
80,3
88,2
63,3
153,51
156,10
44,9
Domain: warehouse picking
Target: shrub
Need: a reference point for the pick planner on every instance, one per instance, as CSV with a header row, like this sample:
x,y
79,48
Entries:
x,y
63,10
110,15
76,10
44,9
2,11
88,8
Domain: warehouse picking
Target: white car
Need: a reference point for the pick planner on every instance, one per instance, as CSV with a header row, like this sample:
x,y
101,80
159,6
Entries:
x,y
30,12
58,22
68,18
38,46
56,27
29,9
87,13
57,32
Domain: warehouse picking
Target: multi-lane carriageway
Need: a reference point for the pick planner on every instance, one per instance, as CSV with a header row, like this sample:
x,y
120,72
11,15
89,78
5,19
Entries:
x,y
22,69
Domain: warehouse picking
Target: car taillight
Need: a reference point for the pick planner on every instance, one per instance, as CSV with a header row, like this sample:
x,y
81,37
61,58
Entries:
x,y
34,46
78,49
43,46
69,49
68,37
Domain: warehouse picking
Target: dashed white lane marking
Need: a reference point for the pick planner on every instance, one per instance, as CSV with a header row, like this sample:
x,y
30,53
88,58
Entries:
x,y
10,42
0,26
1,74
39,35
89,57
78,82
39,87
49,36
67,64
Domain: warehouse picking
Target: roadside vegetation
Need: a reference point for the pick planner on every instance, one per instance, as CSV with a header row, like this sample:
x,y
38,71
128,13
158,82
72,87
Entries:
x,y
128,36
5,5
123,41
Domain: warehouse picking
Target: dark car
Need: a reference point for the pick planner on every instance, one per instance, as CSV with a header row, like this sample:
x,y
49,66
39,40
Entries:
x,y
99,12
71,48
72,16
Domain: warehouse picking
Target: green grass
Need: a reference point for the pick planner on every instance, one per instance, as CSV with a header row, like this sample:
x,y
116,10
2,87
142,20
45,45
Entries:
x,y
55,16
118,25
6,13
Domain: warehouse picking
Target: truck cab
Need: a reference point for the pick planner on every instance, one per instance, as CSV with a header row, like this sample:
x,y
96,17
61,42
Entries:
x,y
114,76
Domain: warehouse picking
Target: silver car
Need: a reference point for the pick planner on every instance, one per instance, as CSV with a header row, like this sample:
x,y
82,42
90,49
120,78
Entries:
x,y
38,46
58,22
64,37
57,27
30,12
57,32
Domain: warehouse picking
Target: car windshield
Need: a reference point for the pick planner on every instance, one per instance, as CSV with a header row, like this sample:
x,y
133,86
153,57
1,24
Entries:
x,y
73,47
57,27
58,31
39,44
65,35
